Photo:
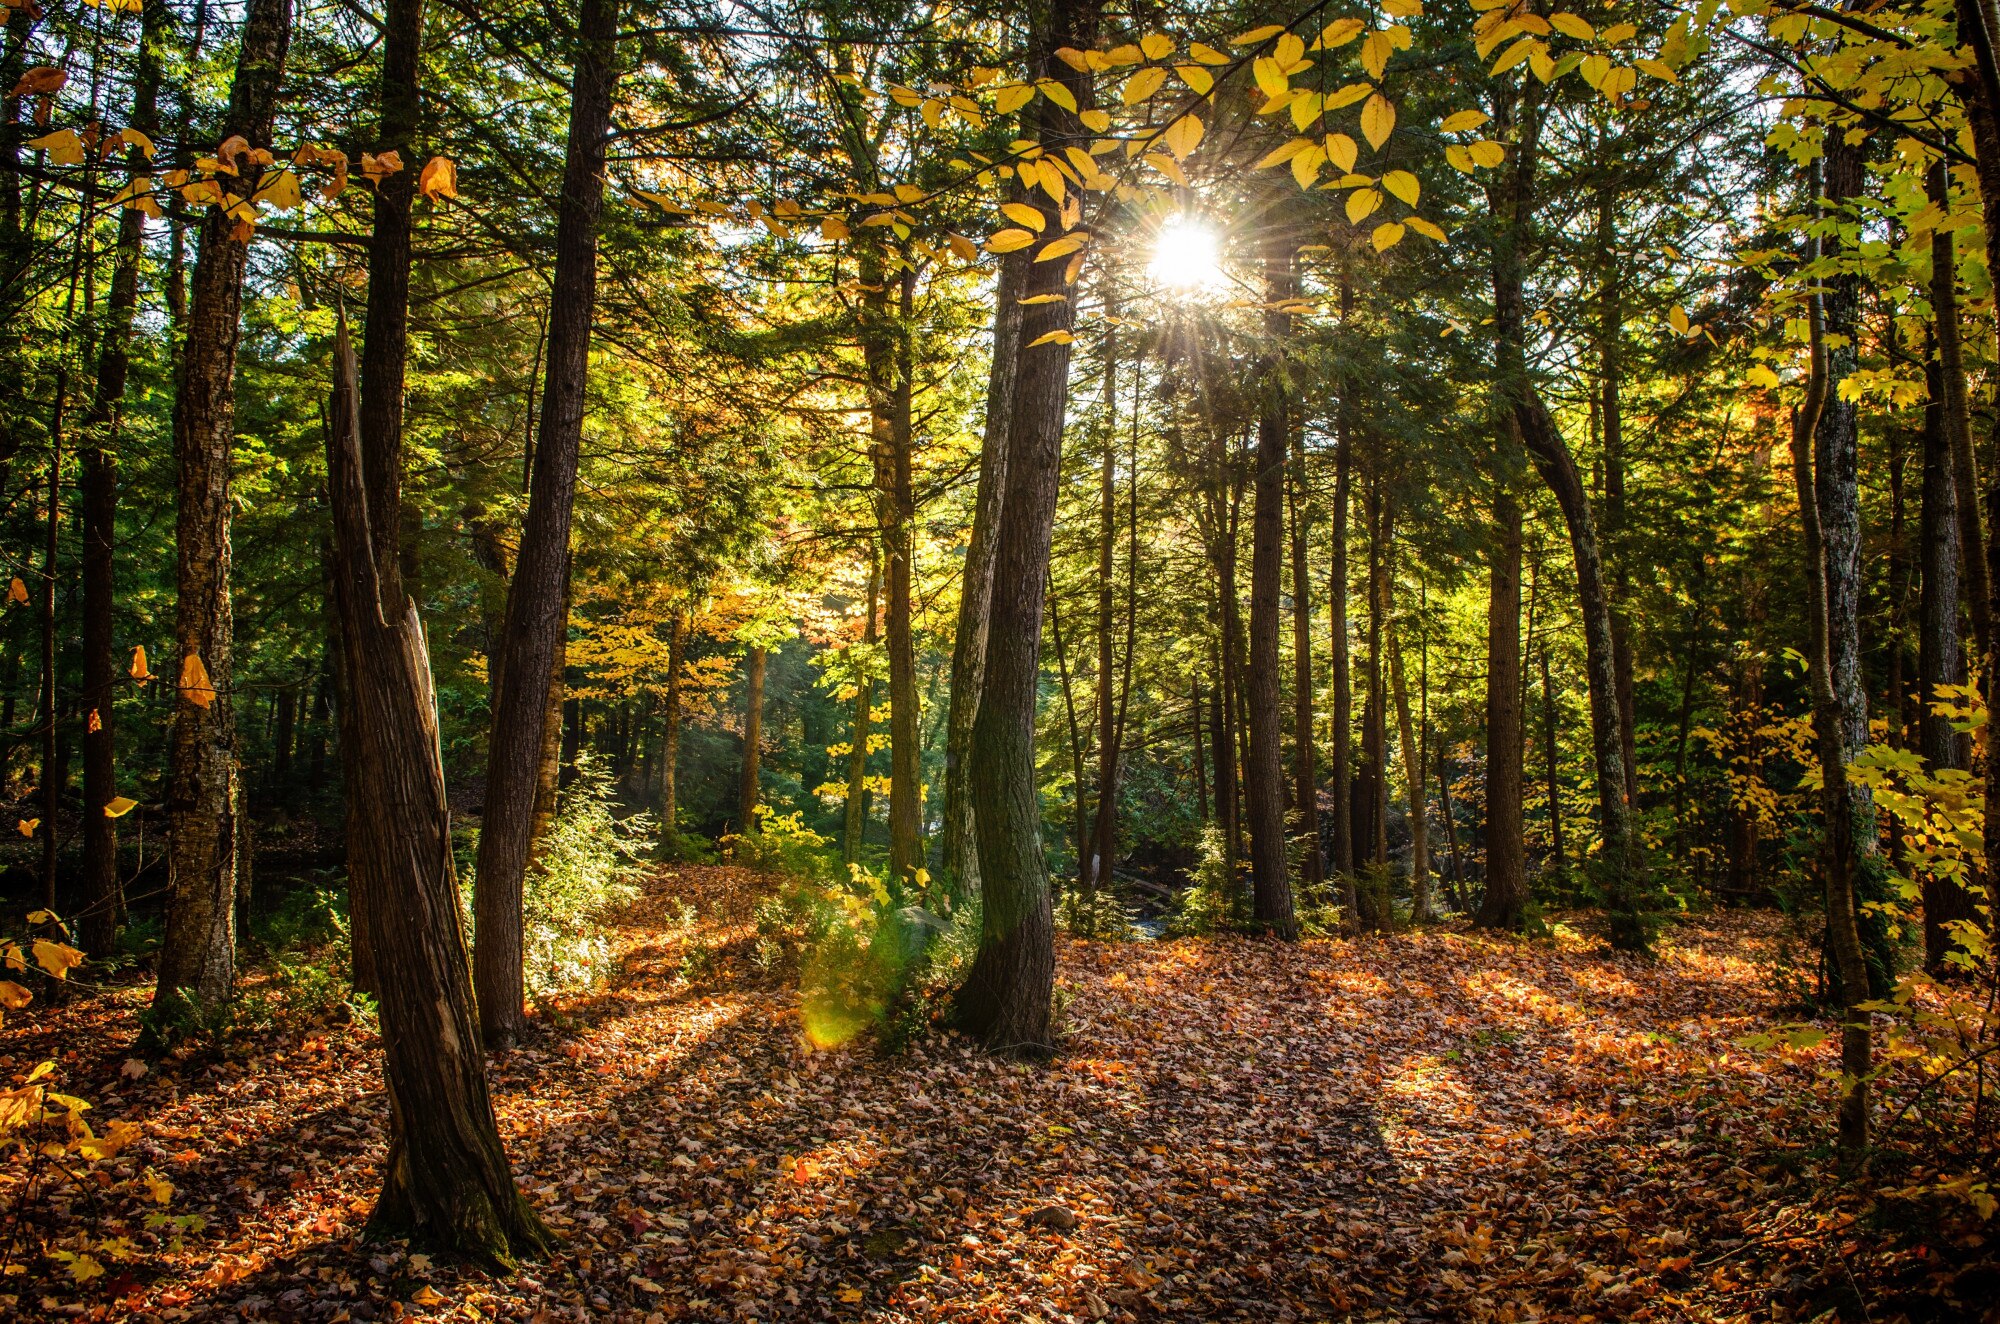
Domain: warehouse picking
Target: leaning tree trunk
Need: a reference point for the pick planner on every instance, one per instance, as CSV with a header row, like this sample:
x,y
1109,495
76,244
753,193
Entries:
x,y
1506,856
198,956
537,595
968,649
98,488
446,1181
1264,771
1005,1000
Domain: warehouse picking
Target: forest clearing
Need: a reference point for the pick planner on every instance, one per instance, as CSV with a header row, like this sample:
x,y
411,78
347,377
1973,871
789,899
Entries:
x,y
924,659
1431,1126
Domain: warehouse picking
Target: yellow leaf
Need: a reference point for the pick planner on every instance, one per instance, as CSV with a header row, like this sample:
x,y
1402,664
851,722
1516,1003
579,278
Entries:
x,y
1195,77
1424,228
962,248
834,228
1009,241
1167,166
42,80
1338,33
1058,93
1360,203
280,190
1487,153
1616,33
1052,338
1270,76
1029,216
1156,45
1572,26
1305,108
1062,247
1277,157
1387,236
1183,135
427,1296
138,671
158,1187
1140,86
1514,54
1097,121
1402,184
63,146
1759,375
118,806
17,591
1463,120
1289,51
439,178
1348,95
1305,166
1678,318
1206,54
56,958
1342,151
1042,298
26,827
1009,99
12,996
1378,120
1375,54
1659,69
1255,35
1593,69
195,684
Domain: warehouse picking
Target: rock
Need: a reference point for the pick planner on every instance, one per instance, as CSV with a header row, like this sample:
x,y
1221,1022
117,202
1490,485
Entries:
x,y
1054,1217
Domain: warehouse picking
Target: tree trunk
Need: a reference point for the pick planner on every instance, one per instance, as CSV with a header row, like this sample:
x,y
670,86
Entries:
x,y
446,1181
1005,1000
864,711
1940,655
198,956
1610,344
1414,779
1556,848
1305,771
899,509
668,769
1264,777
1506,857
1096,863
536,595
1343,683
749,787
1450,832
968,650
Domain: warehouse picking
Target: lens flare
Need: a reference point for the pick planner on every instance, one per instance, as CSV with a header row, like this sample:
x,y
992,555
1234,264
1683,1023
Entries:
x,y
1187,255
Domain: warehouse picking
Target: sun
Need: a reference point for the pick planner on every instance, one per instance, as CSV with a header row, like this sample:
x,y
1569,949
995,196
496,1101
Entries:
x,y
1187,255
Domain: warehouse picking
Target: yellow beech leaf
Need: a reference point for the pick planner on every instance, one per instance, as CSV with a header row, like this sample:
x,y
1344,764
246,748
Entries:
x,y
63,146
1572,26
1276,157
1142,85
1201,54
1009,241
1156,45
1360,203
1759,375
1007,100
1196,77
195,684
834,228
438,178
1167,166
1487,153
1270,76
1255,35
1342,151
1616,33
1289,51
119,806
1378,120
1029,216
1402,184
1659,69
1375,53
962,248
1338,33
1461,121
1119,56
1042,298
280,190
1348,95
12,996
1514,55
1387,236
1074,58
1183,135
1305,166
1057,92
1052,338
1677,316
57,958
1097,121
1424,228
1062,247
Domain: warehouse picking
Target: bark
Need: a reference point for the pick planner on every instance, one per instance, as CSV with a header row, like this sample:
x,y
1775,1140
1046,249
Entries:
x,y
1556,849
857,754
1450,832
1200,761
536,595
197,958
1264,773
1610,341
897,515
446,1180
54,755
1506,858
1005,1000
968,651
749,787
1096,862
668,768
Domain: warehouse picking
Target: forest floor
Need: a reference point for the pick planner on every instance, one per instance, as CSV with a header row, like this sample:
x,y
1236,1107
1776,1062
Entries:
x,y
1430,1126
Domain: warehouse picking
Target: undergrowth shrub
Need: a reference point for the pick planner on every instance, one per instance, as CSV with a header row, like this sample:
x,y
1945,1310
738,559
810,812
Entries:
x,y
1206,903
591,861
1101,913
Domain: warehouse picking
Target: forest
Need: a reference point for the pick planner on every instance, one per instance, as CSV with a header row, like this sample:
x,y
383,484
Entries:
x,y
914,660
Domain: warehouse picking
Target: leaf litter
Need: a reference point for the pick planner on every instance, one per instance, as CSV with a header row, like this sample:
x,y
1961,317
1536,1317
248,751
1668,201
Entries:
x,y
1431,1126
